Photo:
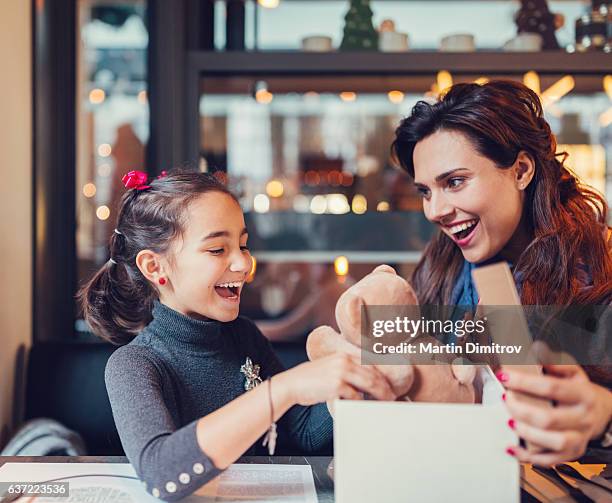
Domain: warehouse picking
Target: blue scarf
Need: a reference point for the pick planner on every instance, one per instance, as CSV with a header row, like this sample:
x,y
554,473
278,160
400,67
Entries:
x,y
464,292
464,297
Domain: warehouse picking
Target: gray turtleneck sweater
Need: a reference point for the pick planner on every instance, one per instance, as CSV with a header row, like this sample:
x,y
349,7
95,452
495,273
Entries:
x,y
177,370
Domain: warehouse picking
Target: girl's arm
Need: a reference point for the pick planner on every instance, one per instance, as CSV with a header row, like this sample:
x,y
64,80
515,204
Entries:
x,y
168,460
309,428
229,431
174,463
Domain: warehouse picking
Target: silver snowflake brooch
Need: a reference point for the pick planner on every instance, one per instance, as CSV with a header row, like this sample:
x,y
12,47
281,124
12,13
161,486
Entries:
x,y
251,373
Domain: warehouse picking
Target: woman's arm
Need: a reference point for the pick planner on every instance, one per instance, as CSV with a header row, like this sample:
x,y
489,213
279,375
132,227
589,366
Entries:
x,y
582,413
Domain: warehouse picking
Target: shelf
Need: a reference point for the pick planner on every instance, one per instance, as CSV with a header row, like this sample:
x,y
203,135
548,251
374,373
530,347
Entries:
x,y
354,257
404,63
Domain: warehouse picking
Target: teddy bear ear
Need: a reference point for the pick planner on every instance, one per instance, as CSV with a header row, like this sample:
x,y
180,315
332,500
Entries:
x,y
354,306
348,317
385,268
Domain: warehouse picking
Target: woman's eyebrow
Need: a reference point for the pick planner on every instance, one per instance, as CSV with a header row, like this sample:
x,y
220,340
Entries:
x,y
222,234
446,174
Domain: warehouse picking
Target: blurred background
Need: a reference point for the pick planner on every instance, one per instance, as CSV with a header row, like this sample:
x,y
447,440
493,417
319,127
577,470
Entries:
x,y
292,103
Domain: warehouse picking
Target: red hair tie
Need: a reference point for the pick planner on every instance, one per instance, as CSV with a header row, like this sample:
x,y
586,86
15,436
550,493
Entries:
x,y
135,180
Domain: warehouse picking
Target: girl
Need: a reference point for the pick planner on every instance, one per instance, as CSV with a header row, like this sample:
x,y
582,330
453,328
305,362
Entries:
x,y
170,295
485,161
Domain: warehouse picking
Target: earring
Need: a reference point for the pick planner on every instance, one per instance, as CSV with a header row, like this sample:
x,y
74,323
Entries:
x,y
162,281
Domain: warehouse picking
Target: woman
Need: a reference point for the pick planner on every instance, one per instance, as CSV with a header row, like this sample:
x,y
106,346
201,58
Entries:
x,y
485,161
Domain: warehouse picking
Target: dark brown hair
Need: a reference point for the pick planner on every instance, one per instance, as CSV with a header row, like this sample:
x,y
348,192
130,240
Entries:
x,y
567,220
118,300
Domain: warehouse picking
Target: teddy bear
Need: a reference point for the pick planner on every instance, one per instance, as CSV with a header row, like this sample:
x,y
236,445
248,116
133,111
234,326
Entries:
x,y
416,382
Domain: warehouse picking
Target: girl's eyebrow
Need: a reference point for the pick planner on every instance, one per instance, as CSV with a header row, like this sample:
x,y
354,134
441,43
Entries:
x,y
220,234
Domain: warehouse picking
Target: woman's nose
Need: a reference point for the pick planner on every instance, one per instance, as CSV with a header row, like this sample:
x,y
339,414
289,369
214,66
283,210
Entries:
x,y
437,208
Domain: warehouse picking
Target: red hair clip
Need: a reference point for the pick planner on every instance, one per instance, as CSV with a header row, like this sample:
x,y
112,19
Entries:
x,y
162,174
135,180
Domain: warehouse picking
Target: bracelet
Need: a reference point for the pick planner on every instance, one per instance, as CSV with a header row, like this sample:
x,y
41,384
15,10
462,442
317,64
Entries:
x,y
270,438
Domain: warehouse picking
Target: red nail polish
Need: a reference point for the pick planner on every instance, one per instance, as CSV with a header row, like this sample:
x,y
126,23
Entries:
x,y
504,397
512,423
510,451
502,376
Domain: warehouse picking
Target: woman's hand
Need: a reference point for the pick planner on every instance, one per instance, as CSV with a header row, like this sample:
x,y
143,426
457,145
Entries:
x,y
583,410
335,376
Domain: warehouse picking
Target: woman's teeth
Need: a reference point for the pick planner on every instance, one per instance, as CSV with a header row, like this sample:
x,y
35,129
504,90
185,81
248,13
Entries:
x,y
461,227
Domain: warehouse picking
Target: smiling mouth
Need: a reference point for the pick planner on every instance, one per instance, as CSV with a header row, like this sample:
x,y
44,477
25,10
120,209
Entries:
x,y
229,291
461,231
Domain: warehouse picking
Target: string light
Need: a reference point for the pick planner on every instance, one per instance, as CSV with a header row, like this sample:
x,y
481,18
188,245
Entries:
x,y
89,190
337,204
341,265
275,188
444,80
261,203
395,97
348,96
263,96
269,4
532,81
97,96
359,204
607,85
318,204
559,89
104,150
103,212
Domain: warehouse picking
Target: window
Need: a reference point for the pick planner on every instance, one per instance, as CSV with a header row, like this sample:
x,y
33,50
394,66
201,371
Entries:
x,y
112,118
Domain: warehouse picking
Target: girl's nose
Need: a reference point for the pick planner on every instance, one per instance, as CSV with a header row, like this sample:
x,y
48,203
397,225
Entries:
x,y
241,262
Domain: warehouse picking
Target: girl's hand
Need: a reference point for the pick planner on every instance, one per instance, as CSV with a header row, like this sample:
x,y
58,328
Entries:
x,y
582,412
335,376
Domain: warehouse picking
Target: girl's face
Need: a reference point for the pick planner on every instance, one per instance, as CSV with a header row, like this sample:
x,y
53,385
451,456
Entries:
x,y
476,204
210,262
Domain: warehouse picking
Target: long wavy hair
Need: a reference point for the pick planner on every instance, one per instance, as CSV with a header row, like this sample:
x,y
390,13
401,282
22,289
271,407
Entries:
x,y
117,302
567,220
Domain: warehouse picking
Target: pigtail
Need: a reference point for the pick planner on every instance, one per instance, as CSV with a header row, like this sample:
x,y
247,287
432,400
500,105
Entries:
x,y
115,306
116,303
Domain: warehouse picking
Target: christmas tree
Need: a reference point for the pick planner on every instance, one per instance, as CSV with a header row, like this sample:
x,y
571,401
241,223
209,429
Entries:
x,y
359,32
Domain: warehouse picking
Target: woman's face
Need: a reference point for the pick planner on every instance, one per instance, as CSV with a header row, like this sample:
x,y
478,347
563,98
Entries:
x,y
476,204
